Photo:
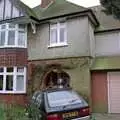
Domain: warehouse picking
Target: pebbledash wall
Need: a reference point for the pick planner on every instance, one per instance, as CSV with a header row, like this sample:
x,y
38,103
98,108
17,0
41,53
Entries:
x,y
73,58
89,75
76,68
10,57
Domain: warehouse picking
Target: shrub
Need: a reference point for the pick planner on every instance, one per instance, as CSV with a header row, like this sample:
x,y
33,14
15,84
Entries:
x,y
34,113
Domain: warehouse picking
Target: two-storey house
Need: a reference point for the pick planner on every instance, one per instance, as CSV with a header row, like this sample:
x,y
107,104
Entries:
x,y
59,42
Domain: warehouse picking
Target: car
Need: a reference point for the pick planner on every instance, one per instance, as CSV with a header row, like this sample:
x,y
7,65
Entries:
x,y
60,104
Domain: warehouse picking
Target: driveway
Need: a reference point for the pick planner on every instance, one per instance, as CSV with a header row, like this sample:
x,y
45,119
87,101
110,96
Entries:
x,y
97,116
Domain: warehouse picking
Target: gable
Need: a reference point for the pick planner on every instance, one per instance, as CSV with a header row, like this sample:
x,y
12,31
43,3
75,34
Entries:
x,y
8,10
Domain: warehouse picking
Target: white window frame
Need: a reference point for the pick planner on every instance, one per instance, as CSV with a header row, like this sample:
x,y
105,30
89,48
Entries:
x,y
58,26
16,29
14,74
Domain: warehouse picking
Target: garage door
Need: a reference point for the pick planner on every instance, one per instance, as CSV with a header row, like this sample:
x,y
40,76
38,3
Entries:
x,y
114,92
99,92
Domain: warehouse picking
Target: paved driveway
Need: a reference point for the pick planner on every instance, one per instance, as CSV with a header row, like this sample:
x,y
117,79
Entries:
x,y
97,116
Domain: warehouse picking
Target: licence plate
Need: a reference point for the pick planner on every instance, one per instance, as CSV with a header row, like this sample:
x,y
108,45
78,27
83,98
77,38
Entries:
x,y
70,114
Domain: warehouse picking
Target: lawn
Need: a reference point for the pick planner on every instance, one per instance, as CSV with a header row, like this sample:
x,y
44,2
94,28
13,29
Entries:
x,y
2,112
12,112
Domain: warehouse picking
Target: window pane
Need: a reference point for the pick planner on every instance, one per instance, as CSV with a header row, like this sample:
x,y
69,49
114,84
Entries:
x,y
62,24
1,70
3,27
62,34
21,38
20,83
22,27
1,82
10,69
20,69
11,38
9,82
11,26
2,38
63,98
53,36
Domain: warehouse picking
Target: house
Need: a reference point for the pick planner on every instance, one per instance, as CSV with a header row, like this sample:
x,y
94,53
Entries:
x,y
59,42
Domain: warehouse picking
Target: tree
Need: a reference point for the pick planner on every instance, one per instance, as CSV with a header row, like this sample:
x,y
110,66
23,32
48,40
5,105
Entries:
x,y
111,7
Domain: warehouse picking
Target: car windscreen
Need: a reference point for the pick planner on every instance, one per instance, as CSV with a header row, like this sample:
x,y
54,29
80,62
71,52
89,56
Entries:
x,y
63,98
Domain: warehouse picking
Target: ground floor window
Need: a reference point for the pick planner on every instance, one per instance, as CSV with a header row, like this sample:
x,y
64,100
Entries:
x,y
12,79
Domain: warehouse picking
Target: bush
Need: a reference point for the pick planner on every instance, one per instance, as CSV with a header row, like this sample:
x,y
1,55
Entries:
x,y
34,113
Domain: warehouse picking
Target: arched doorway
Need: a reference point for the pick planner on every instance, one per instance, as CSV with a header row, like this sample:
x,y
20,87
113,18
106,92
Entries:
x,y
56,78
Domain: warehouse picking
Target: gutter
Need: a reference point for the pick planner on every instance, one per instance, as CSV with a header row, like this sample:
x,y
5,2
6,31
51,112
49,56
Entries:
x,y
18,20
107,30
12,19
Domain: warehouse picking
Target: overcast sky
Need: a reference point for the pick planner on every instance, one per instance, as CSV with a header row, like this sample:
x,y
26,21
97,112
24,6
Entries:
x,y
85,3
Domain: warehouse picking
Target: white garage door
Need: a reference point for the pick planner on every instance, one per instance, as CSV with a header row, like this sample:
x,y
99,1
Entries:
x,y
114,92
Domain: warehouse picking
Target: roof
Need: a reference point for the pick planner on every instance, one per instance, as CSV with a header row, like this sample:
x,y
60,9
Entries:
x,y
64,8
107,22
57,8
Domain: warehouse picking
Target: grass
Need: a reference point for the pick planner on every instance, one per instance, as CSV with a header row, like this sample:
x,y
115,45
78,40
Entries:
x,y
2,115
12,112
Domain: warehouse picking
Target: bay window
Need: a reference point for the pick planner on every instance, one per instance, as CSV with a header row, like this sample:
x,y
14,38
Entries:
x,y
13,35
12,80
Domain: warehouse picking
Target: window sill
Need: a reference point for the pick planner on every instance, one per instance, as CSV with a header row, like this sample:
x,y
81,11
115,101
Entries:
x,y
13,47
12,92
58,45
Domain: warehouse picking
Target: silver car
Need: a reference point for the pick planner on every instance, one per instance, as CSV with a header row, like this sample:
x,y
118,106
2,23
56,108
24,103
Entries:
x,y
61,104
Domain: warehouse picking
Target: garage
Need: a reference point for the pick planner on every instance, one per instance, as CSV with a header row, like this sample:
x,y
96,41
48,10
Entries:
x,y
114,92
105,92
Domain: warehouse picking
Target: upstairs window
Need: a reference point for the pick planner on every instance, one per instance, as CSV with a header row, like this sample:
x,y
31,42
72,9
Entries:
x,y
13,35
58,34
12,79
